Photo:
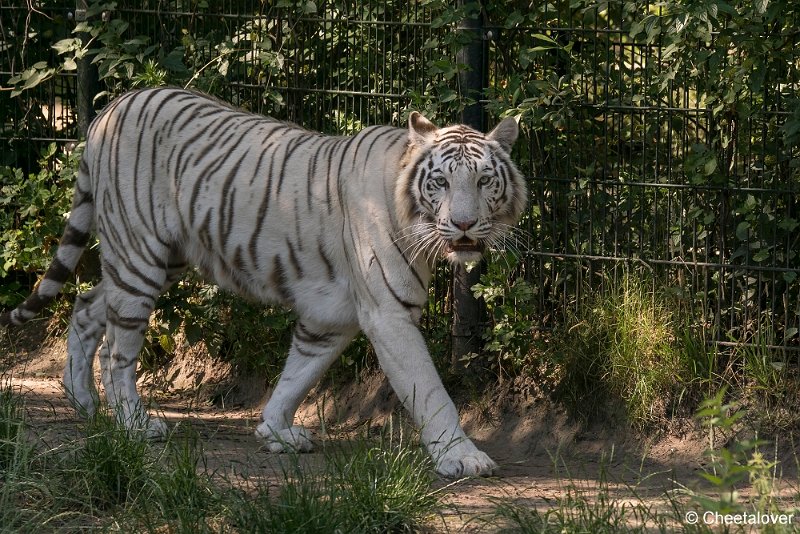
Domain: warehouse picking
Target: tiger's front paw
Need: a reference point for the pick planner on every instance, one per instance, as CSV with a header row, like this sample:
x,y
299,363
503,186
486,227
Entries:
x,y
292,439
464,460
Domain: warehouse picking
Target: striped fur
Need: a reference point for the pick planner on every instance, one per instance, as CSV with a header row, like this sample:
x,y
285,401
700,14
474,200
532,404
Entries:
x,y
343,229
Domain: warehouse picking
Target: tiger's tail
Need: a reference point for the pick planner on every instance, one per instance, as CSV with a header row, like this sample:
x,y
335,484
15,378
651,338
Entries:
x,y
70,249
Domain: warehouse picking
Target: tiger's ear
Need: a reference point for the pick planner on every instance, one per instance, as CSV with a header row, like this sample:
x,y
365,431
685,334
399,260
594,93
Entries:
x,y
505,133
420,129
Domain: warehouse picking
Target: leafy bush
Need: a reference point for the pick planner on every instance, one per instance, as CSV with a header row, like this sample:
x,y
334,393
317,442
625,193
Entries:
x,y
34,209
508,299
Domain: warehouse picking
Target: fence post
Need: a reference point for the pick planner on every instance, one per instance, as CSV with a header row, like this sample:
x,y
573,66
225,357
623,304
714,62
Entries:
x,y
87,78
467,310
87,87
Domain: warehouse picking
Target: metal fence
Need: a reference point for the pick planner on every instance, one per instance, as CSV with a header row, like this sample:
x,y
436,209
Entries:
x,y
627,168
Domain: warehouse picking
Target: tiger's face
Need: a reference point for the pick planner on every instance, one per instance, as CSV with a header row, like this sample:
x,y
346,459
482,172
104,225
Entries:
x,y
461,190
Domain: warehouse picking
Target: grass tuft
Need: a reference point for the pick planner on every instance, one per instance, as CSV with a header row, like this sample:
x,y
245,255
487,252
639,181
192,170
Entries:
x,y
384,488
13,449
112,464
623,346
367,487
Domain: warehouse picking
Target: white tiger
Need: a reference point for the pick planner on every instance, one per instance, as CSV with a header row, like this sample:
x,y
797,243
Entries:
x,y
345,230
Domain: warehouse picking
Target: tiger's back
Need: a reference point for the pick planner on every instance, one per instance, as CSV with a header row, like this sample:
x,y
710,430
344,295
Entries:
x,y
254,203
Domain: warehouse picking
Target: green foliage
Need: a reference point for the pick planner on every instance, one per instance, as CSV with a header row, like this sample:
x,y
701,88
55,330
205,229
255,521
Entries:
x,y
253,336
735,465
34,209
597,107
508,299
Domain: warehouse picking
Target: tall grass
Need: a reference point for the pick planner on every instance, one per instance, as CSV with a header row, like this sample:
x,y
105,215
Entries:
x,y
112,464
31,497
13,450
625,345
365,487
113,479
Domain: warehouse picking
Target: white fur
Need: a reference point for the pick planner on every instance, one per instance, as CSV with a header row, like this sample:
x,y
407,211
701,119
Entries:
x,y
349,245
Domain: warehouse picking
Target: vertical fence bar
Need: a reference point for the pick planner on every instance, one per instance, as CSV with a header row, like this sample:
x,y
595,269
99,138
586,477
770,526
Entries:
x,y
87,87
87,78
467,310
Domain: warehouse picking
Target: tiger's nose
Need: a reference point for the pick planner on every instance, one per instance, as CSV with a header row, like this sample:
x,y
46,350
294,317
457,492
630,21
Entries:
x,y
464,225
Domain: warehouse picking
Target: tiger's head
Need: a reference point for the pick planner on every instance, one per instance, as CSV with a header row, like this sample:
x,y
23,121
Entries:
x,y
459,191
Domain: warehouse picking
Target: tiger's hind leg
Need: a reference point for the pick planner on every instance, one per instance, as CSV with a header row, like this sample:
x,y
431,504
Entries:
x,y
86,330
313,350
128,309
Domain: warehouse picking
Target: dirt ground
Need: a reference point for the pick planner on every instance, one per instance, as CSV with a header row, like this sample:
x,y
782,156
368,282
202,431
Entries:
x,y
543,454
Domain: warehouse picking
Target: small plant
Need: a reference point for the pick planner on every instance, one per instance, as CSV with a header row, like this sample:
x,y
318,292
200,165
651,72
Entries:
x,y
508,338
304,503
384,489
733,465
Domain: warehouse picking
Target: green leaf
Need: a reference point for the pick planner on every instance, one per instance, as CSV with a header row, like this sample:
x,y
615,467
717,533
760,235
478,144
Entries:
x,y
514,19
789,224
742,230
66,45
545,38
709,167
174,61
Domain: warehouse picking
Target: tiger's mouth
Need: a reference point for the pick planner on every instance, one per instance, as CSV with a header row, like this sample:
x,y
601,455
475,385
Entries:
x,y
464,244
